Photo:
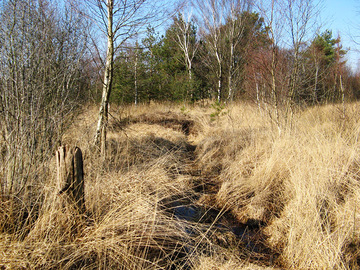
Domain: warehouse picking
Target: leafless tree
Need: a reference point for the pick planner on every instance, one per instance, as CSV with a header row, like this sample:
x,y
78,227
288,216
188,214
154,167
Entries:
x,y
118,21
290,24
234,34
270,11
186,40
136,62
211,18
300,17
222,27
42,52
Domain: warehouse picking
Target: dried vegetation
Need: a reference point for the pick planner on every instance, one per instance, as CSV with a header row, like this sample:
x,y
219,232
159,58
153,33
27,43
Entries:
x,y
181,190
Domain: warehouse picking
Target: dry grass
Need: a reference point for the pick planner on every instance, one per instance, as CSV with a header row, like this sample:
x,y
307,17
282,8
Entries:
x,y
295,194
303,185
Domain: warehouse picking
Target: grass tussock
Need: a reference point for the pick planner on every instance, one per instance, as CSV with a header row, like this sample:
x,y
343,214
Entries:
x,y
185,188
303,186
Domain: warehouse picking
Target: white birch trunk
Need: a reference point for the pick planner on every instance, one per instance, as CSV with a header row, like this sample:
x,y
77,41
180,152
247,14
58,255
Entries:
x,y
108,76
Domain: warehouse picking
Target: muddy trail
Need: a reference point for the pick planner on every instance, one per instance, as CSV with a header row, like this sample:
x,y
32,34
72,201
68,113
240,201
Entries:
x,y
197,208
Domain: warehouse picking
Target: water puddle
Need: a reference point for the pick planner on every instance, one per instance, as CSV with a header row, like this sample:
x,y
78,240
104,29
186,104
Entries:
x,y
220,226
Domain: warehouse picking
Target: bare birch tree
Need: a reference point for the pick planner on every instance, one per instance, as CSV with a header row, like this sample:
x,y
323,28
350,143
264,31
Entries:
x,y
136,62
211,19
222,26
300,17
118,20
270,11
188,44
234,33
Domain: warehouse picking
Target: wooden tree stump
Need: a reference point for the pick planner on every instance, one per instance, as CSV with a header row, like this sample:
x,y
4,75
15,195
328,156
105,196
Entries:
x,y
70,176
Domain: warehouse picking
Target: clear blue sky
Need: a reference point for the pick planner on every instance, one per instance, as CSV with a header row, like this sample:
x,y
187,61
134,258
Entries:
x,y
342,17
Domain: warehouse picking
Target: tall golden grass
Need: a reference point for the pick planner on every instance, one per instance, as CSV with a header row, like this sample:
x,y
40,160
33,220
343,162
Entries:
x,y
295,193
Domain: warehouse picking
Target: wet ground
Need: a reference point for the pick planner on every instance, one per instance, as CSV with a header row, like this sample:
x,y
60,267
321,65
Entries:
x,y
204,220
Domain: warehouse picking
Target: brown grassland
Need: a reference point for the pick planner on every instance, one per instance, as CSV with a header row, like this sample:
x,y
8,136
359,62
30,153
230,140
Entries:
x,y
184,188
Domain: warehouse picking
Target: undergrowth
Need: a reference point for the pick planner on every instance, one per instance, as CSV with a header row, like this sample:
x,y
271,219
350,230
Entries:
x,y
181,191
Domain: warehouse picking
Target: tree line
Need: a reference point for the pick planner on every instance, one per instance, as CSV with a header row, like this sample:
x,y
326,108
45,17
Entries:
x,y
231,58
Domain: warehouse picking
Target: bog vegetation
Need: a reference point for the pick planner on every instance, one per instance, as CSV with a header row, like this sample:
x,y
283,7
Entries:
x,y
229,193
221,148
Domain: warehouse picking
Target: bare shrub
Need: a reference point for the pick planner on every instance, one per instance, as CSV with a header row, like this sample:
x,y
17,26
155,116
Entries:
x,y
42,57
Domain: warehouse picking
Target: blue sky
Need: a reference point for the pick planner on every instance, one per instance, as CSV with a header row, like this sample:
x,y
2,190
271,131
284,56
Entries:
x,y
342,17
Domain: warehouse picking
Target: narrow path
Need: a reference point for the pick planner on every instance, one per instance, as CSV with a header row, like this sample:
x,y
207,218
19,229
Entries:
x,y
197,207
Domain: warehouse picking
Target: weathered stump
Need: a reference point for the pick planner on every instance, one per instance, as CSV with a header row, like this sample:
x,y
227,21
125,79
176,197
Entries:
x,y
70,176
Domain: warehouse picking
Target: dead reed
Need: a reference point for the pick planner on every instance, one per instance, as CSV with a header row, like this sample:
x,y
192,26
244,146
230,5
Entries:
x,y
296,192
